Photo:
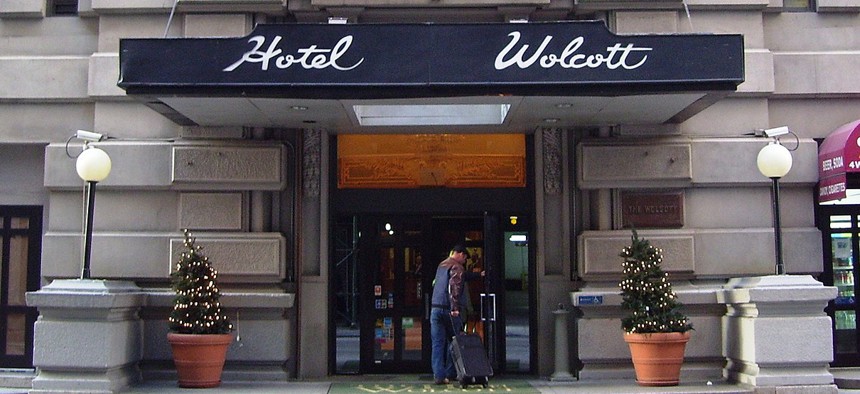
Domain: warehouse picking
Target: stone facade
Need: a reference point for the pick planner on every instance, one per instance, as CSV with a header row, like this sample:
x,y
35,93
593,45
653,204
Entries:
x,y
262,200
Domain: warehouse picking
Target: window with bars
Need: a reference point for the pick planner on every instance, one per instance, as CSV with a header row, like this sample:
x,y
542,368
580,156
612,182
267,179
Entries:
x,y
798,5
62,7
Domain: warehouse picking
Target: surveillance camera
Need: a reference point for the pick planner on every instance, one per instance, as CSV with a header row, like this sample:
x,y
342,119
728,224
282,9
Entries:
x,y
777,131
89,136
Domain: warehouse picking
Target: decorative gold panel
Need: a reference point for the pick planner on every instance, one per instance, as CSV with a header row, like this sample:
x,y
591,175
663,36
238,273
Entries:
x,y
388,161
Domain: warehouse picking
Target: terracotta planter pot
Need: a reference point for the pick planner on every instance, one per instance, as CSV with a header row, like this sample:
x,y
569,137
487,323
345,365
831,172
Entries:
x,y
657,357
199,358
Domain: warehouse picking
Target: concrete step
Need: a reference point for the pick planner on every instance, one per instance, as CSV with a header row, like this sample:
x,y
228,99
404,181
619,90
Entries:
x,y
16,378
846,378
16,381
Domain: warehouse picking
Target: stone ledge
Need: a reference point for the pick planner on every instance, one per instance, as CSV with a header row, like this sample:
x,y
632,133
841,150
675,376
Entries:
x,y
688,294
846,378
164,299
87,297
775,289
17,378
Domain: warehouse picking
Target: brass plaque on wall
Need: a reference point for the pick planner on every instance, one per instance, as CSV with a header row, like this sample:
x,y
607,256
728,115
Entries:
x,y
649,210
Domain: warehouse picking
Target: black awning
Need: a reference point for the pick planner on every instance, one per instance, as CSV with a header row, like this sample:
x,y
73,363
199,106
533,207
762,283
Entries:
x,y
431,60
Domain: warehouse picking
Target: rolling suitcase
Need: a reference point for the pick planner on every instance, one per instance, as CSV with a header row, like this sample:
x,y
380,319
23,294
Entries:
x,y
470,360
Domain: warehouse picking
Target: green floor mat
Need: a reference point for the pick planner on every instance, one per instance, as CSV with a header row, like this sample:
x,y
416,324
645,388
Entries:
x,y
500,386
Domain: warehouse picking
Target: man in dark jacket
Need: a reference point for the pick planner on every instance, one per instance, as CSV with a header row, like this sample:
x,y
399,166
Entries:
x,y
447,301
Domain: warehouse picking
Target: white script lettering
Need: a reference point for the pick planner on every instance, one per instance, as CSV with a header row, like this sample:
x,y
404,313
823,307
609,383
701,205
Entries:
x,y
616,56
309,58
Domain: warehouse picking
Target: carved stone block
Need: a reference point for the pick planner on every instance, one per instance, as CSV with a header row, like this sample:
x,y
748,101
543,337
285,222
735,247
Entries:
x,y
239,167
211,211
246,257
634,165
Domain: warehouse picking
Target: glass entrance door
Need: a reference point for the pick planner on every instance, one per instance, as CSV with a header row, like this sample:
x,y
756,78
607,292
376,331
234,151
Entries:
x,y
394,333
396,263
470,232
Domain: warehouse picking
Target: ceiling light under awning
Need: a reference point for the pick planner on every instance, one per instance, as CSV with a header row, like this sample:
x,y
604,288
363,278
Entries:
x,y
430,114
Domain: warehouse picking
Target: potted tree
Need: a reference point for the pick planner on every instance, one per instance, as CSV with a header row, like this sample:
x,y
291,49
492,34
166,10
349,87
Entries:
x,y
654,328
199,332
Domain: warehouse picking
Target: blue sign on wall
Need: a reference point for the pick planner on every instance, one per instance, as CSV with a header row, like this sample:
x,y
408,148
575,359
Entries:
x,y
590,300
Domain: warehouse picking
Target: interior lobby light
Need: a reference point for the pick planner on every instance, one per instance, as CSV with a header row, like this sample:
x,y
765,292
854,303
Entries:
x,y
430,115
518,238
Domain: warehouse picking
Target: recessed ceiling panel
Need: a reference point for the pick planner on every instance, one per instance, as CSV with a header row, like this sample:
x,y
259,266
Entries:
x,y
439,114
219,111
431,114
645,109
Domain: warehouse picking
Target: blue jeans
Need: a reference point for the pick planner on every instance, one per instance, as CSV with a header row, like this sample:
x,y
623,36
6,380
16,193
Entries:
x,y
441,331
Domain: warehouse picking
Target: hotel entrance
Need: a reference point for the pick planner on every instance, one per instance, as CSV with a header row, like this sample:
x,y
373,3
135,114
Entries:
x,y
400,204
383,287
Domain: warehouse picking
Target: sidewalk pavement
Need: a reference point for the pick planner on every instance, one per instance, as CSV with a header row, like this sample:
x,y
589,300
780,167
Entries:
x,y
386,384
541,385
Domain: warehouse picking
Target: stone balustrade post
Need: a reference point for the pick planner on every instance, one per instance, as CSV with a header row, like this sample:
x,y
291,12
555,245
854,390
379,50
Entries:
x,y
87,337
776,334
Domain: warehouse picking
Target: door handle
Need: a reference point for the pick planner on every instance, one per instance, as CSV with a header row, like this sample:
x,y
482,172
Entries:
x,y
482,306
493,316
488,303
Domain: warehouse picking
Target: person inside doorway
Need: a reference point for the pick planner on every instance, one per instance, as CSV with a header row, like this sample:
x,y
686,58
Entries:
x,y
447,302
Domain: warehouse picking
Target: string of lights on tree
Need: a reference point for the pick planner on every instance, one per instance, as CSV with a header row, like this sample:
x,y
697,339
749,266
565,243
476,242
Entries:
x,y
647,293
196,305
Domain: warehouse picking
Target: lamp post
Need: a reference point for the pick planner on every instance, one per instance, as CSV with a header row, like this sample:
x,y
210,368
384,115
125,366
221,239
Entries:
x,y
93,165
774,161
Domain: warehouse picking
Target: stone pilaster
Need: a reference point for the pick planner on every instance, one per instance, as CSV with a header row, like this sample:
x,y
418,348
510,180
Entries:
x,y
776,334
87,337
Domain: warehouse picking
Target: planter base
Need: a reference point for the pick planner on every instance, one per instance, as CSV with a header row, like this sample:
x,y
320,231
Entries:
x,y
199,359
657,357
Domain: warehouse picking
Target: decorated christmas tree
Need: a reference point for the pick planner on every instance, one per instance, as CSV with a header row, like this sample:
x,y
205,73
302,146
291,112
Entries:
x,y
647,293
196,306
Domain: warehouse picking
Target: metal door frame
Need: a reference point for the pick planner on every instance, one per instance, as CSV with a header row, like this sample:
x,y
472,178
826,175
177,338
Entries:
x,y
370,244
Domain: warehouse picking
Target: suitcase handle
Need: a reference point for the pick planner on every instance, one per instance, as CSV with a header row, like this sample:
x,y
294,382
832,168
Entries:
x,y
462,328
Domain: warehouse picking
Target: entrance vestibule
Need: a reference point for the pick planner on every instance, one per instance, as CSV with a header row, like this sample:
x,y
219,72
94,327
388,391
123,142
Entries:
x,y
383,280
395,220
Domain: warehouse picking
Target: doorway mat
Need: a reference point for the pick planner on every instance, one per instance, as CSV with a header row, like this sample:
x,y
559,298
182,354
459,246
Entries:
x,y
501,386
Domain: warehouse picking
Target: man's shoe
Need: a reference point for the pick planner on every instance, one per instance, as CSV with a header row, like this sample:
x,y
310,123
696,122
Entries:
x,y
442,381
